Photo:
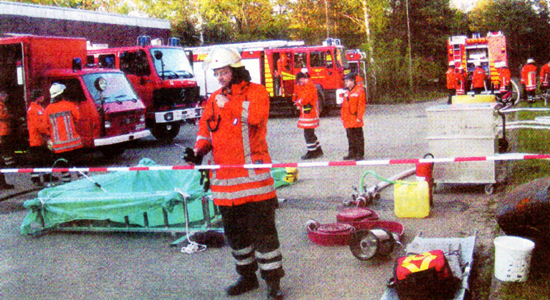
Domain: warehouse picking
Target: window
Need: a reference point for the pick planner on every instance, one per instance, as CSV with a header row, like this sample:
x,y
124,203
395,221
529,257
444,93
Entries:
x,y
73,91
317,59
135,63
107,61
300,60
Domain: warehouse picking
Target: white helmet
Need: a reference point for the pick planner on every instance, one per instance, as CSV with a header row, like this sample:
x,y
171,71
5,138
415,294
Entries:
x,y
56,89
530,61
452,63
221,57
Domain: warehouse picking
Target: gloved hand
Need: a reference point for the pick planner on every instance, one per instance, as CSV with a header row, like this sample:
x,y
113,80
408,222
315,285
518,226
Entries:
x,y
190,157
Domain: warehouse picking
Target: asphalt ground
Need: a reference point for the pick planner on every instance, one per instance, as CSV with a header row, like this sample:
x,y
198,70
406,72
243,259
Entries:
x,y
61,265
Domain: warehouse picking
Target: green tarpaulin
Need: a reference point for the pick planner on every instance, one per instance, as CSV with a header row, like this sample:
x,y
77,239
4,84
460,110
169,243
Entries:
x,y
132,198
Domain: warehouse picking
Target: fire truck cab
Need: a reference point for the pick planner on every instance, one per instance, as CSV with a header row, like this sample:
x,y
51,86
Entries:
x,y
112,113
275,64
163,78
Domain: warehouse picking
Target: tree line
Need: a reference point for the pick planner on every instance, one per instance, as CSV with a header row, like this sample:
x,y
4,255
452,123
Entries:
x,y
405,40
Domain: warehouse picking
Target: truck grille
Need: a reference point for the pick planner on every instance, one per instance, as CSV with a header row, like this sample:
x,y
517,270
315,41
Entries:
x,y
124,122
178,97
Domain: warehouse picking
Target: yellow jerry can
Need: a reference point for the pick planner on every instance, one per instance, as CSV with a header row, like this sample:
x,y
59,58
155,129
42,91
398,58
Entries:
x,y
412,199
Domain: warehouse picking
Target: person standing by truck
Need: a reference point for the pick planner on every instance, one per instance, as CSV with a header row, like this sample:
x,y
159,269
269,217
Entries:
x,y
529,80
451,81
62,116
5,148
234,127
36,124
352,111
306,99
478,79
545,78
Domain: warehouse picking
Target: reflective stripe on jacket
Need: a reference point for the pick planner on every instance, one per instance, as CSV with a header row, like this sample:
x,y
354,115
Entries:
x,y
63,116
240,138
353,107
36,124
306,96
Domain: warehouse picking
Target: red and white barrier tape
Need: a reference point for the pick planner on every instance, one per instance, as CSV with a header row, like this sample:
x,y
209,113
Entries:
x,y
501,157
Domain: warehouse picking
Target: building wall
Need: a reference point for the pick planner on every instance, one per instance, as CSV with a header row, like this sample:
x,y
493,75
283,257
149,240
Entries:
x,y
99,28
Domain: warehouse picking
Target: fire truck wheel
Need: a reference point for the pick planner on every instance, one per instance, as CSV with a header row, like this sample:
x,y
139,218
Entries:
x,y
166,132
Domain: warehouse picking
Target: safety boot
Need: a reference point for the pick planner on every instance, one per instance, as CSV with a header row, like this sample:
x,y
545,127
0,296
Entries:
x,y
4,185
274,290
243,285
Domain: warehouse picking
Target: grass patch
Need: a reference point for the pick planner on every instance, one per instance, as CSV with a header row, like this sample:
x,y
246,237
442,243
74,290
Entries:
x,y
523,171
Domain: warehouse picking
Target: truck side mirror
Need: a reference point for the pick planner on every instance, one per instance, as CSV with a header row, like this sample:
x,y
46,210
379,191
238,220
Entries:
x,y
158,54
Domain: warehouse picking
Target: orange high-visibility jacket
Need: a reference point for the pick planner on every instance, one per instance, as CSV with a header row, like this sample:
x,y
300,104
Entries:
x,y
307,95
504,76
451,78
545,75
63,116
529,77
36,119
461,77
478,78
353,107
4,120
236,134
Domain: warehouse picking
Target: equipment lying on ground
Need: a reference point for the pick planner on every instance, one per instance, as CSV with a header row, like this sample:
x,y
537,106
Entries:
x,y
171,201
459,253
349,222
367,195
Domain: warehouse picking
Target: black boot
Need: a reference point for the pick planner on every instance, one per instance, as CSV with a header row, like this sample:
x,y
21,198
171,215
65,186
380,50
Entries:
x,y
243,285
274,290
4,185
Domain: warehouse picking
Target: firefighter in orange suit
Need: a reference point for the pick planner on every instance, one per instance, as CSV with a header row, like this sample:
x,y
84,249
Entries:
x,y
478,78
36,121
461,79
306,99
545,78
529,80
234,127
505,76
451,81
62,117
4,144
353,109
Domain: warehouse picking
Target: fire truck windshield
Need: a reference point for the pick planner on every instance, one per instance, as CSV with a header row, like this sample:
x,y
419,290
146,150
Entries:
x,y
173,63
118,88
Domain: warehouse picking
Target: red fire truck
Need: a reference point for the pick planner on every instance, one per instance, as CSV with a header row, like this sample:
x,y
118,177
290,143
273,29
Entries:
x,y
163,78
488,50
112,113
275,64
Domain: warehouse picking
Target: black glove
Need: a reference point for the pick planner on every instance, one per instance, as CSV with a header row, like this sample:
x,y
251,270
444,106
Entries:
x,y
190,157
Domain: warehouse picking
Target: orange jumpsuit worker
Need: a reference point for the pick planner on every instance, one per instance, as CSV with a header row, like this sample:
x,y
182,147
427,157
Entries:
x,y
529,79
234,127
461,78
4,146
353,109
451,81
478,79
36,123
545,78
62,116
306,99
505,76
282,66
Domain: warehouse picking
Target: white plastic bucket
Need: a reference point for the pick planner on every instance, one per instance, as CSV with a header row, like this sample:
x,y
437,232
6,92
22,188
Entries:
x,y
512,258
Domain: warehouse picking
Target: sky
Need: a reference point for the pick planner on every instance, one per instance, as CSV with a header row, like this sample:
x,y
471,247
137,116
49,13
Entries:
x,y
465,5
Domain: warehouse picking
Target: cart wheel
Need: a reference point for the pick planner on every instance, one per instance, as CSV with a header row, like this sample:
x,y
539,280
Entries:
x,y
489,189
362,246
312,224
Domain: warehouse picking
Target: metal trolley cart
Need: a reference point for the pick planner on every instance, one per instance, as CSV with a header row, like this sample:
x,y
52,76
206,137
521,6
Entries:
x,y
464,130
